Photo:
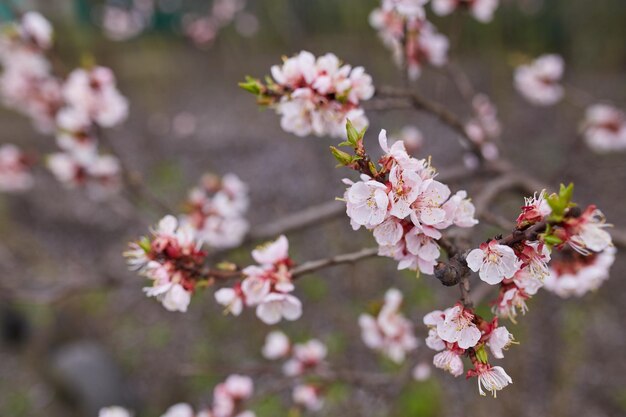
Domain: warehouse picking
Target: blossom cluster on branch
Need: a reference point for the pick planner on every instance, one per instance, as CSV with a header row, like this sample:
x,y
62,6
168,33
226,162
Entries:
x,y
74,108
303,360
401,202
228,401
314,95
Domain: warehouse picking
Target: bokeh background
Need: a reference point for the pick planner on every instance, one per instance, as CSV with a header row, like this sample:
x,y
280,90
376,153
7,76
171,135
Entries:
x,y
113,346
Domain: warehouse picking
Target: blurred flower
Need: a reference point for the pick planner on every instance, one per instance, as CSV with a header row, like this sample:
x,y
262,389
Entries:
x,y
15,174
539,81
604,128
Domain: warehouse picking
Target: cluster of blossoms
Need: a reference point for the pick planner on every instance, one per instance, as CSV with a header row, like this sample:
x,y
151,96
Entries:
x,y
520,266
315,95
604,128
481,10
72,108
483,129
266,286
216,210
413,40
458,332
302,359
228,399
403,204
172,258
15,174
27,84
576,275
539,81
390,332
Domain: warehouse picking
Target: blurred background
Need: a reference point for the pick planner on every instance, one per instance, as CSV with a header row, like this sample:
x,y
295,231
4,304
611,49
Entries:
x,y
113,346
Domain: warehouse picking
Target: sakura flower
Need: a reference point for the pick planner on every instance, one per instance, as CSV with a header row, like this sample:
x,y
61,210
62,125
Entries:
x,y
114,411
36,28
460,210
491,378
277,306
176,298
216,210
586,233
421,372
493,261
172,259
604,128
408,8
389,232
405,187
428,205
316,95
425,249
308,396
510,300
576,275
458,327
449,361
306,356
95,92
528,282
15,175
535,257
535,209
481,10
390,332
276,345
366,203
499,340
179,410
231,298
239,387
539,81
272,253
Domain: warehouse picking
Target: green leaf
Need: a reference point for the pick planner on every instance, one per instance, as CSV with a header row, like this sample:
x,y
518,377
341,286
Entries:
x,y
352,133
252,85
144,243
481,354
552,240
342,157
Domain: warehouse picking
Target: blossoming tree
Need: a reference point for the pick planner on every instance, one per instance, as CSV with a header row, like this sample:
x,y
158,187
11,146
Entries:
x,y
415,217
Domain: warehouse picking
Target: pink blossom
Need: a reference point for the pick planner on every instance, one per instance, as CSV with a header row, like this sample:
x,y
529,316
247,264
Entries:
x,y
510,300
499,339
95,92
535,209
586,233
114,411
493,261
458,327
273,252
366,203
421,372
231,298
481,10
308,396
604,128
305,356
449,361
580,274
276,345
277,306
15,175
539,81
427,207
491,378
37,29
390,332
405,188
179,410
459,210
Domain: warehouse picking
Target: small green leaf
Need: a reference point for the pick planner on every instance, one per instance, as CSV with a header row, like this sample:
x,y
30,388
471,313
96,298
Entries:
x,y
552,240
481,354
353,136
252,85
144,243
342,157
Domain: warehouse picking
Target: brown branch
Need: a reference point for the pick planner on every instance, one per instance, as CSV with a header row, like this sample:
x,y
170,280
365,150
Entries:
x,y
346,258
436,109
